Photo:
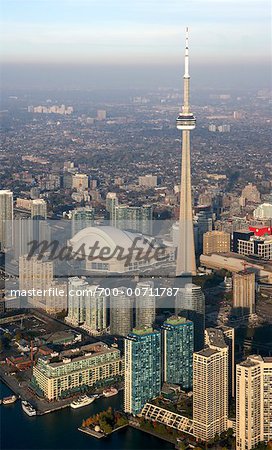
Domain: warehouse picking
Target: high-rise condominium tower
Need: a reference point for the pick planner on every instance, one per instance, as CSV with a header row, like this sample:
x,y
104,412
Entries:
x,y
6,218
145,303
38,275
253,402
121,313
142,368
86,306
210,389
178,348
186,263
190,303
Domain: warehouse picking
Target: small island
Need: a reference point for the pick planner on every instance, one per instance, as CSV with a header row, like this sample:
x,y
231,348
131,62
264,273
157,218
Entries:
x,y
104,423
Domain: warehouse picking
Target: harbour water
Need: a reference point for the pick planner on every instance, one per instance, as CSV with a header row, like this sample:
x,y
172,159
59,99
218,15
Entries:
x,y
58,430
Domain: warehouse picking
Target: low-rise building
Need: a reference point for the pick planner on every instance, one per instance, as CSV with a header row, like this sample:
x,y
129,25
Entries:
x,y
62,374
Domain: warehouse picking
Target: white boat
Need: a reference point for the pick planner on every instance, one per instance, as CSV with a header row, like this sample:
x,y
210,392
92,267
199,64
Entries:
x,y
9,400
110,392
84,400
28,408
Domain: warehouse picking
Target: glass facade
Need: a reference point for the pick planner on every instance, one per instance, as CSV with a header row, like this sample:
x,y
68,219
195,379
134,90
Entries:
x,y
178,342
142,368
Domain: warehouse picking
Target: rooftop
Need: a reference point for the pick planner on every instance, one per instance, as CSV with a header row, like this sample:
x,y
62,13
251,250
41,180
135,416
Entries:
x,y
176,320
216,337
78,354
143,331
207,352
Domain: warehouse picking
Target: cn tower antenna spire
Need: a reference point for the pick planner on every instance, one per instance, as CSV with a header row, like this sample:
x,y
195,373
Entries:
x,y
186,122
186,65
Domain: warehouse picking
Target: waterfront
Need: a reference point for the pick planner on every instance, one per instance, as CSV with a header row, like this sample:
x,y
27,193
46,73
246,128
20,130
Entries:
x,y
58,430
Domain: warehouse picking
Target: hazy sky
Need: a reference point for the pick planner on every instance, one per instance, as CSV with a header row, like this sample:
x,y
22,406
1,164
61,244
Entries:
x,y
126,32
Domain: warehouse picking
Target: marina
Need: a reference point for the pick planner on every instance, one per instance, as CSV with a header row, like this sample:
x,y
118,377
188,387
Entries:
x,y
62,429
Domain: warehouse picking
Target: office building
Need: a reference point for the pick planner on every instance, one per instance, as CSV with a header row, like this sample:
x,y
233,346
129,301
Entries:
x,y
178,348
142,368
253,402
145,304
121,313
66,373
210,391
241,235
256,246
244,293
186,263
6,218
216,242
190,303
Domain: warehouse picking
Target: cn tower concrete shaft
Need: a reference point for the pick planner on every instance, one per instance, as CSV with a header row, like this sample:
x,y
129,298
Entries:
x,y
186,263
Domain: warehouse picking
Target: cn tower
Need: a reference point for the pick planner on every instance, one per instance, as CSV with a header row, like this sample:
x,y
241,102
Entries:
x,y
186,264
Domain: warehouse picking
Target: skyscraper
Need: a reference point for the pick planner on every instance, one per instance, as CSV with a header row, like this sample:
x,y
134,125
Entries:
x,y
210,391
121,313
135,218
253,402
142,368
96,310
186,263
226,336
178,348
111,203
244,293
190,303
38,275
76,300
81,218
6,218
86,306
145,303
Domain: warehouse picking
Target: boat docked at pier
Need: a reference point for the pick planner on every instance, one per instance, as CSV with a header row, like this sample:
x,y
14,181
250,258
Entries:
x,y
84,400
9,400
28,408
110,392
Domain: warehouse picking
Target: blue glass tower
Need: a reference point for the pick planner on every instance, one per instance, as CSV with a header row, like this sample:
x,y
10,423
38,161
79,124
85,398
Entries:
x,y
178,348
142,368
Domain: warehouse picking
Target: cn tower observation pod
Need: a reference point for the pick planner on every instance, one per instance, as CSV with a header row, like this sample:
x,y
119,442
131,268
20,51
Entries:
x,y
186,122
